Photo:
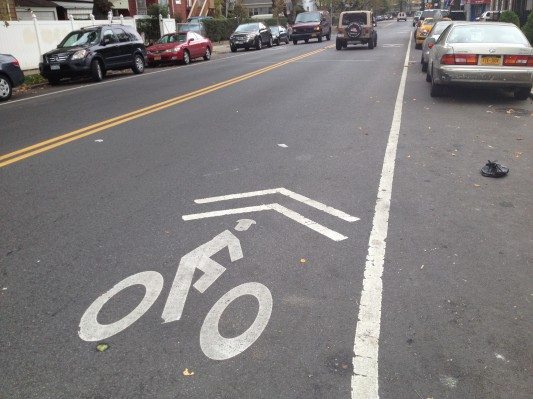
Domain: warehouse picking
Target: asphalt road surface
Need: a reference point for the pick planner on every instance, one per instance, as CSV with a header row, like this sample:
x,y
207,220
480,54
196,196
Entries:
x,y
295,222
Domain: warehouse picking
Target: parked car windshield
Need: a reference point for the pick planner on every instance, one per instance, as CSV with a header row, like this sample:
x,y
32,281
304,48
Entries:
x,y
247,28
81,38
486,34
307,17
190,27
349,18
173,38
274,29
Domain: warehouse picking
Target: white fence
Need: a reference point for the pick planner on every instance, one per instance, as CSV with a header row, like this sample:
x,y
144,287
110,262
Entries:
x,y
28,40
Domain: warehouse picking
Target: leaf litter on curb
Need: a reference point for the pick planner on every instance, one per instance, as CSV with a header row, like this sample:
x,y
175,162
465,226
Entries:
x,y
188,373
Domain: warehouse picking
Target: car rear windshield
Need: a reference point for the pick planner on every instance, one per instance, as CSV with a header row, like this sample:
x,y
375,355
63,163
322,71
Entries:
x,y
179,38
308,17
440,26
247,28
81,38
486,34
360,18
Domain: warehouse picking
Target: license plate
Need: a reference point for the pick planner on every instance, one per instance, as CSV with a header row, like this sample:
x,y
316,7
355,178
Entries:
x,y
239,41
490,60
157,58
55,67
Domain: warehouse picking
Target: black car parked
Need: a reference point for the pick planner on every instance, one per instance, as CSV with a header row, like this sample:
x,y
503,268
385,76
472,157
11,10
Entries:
x,y
10,75
250,35
279,35
94,50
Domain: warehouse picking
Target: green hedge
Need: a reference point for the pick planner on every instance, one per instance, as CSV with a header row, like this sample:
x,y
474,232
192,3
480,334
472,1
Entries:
x,y
510,16
221,29
528,28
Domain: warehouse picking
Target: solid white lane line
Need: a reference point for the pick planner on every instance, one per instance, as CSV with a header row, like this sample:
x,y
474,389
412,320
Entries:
x,y
365,380
331,234
291,194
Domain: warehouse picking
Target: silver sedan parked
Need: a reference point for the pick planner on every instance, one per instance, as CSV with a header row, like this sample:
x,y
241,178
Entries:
x,y
430,41
483,54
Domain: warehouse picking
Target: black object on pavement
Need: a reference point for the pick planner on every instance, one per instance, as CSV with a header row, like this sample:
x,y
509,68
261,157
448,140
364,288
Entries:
x,y
494,169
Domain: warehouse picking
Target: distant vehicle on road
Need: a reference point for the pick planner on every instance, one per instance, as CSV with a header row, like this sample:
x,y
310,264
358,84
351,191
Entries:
x,y
179,47
250,35
430,41
423,31
196,27
279,34
312,24
401,17
489,16
481,54
93,51
356,27
10,76
416,17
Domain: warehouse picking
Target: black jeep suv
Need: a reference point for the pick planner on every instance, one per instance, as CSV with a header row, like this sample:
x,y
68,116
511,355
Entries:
x,y
94,50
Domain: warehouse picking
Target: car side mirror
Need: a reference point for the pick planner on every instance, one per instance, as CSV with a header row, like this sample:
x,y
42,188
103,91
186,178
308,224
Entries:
x,y
190,40
105,41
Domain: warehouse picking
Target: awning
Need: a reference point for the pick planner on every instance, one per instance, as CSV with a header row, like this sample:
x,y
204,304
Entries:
x,y
74,5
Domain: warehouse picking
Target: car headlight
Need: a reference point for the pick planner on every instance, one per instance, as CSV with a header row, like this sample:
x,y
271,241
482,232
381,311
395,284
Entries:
x,y
317,28
176,48
78,55
251,36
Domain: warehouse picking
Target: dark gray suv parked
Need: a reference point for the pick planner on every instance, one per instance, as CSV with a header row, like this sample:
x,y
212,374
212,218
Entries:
x,y
94,50
10,75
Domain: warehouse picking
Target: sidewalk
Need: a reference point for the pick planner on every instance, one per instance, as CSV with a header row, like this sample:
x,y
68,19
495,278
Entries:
x,y
221,47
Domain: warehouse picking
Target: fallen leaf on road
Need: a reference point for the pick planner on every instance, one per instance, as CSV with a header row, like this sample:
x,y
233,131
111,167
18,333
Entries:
x,y
102,347
520,138
98,141
517,154
429,127
477,185
303,260
408,156
490,112
187,373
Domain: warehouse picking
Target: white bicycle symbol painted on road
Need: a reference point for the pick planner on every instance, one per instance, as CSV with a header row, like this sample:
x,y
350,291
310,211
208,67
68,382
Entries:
x,y
214,345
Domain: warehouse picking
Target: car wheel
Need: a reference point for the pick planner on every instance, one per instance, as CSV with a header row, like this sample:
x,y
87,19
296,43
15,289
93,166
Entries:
x,y
6,88
424,66
258,44
436,89
338,44
246,48
328,36
269,44
522,93
233,49
207,55
287,40
371,44
151,64
186,57
295,42
306,40
320,38
138,64
96,71
418,46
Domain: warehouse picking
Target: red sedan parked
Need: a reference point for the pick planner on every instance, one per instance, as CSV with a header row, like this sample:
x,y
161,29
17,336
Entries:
x,y
179,47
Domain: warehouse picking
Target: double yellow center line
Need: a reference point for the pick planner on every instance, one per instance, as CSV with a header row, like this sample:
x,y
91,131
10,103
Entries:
x,y
58,141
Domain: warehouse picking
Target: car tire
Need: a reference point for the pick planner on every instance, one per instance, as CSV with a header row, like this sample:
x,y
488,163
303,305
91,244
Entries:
x,y
269,44
338,44
418,46
376,40
233,49
53,81
371,44
522,93
436,89
287,40
151,64
6,88
97,73
306,40
295,42
186,57
319,38
138,64
424,66
207,55
258,44
328,36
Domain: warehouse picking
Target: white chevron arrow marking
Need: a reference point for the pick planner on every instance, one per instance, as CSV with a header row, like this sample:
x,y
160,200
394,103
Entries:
x,y
333,235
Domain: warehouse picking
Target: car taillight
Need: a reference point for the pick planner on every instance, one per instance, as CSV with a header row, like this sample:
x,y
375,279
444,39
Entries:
x,y
16,63
459,59
518,60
